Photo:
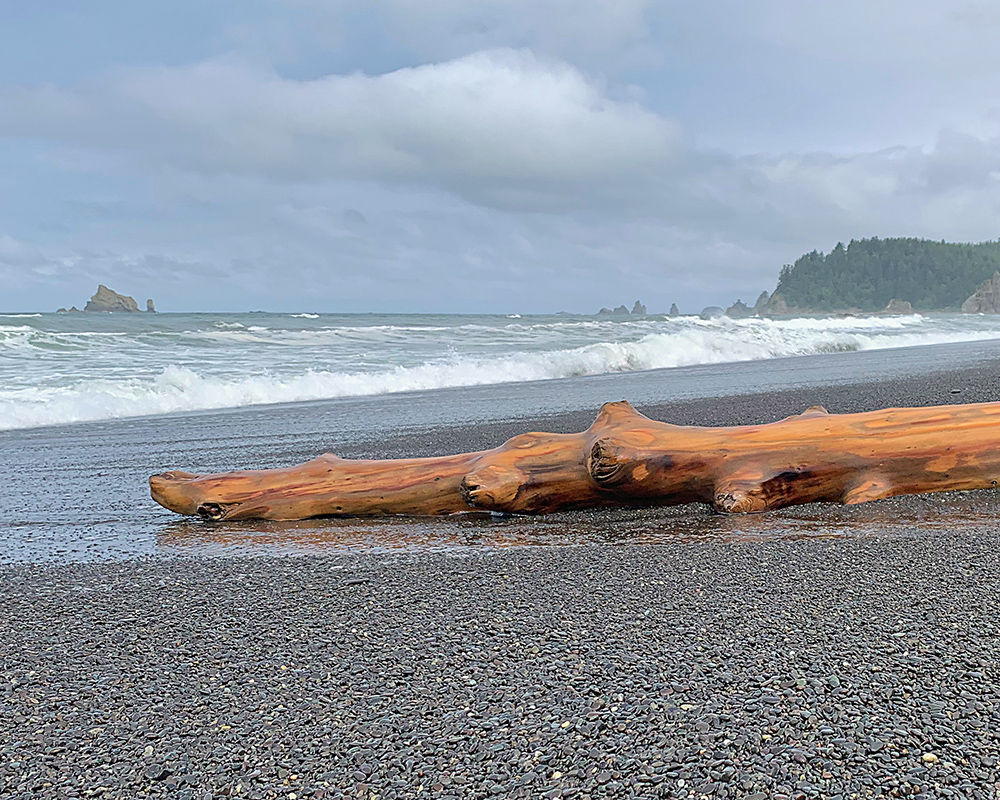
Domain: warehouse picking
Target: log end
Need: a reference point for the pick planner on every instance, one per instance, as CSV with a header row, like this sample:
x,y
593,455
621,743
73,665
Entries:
x,y
606,463
492,488
739,501
743,492
185,493
173,491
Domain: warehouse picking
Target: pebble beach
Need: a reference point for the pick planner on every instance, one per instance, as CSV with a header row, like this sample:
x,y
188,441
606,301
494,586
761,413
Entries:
x,y
819,652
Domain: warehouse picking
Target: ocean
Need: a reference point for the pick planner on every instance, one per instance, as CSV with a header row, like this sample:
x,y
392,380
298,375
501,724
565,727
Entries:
x,y
57,369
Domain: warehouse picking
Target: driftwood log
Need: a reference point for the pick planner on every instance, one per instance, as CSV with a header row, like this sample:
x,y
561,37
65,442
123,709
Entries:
x,y
627,459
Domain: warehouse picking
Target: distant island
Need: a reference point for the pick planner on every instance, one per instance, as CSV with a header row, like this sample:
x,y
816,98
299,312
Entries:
x,y
105,299
891,275
874,276
638,309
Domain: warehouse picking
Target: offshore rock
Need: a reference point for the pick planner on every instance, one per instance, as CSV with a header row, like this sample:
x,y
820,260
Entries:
x,y
898,307
986,299
674,310
739,310
777,306
105,299
622,309
761,304
149,307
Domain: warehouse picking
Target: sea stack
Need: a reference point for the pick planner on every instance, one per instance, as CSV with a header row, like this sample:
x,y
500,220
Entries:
x,y
150,309
105,299
896,306
674,310
739,310
762,300
986,298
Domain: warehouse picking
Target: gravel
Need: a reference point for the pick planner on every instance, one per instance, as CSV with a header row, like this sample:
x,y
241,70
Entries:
x,y
837,668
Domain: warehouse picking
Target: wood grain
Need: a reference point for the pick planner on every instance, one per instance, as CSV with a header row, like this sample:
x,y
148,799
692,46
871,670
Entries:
x,y
624,458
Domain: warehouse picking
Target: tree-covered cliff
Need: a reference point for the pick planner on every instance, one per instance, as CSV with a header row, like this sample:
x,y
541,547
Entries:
x,y
868,273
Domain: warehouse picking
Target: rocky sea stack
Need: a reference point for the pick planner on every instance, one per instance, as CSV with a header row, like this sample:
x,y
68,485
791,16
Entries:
x,y
105,299
986,298
897,306
638,309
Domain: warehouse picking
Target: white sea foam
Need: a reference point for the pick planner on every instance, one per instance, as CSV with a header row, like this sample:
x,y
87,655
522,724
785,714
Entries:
x,y
156,372
306,316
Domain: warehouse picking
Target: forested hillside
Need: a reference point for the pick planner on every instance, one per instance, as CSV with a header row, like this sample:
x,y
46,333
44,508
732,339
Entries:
x,y
868,273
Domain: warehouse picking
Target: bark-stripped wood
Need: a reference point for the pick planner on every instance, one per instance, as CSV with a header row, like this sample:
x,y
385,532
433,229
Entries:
x,y
532,473
625,458
847,458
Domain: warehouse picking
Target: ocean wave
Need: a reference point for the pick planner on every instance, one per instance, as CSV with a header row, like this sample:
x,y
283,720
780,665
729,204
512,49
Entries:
x,y
177,388
305,316
462,336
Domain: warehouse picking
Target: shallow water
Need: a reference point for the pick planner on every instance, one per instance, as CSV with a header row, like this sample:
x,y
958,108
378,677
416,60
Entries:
x,y
691,524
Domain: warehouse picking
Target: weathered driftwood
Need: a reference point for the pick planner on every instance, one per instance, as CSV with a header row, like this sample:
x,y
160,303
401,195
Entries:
x,y
625,458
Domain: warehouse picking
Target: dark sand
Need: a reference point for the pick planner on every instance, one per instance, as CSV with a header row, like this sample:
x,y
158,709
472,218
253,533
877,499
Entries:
x,y
819,652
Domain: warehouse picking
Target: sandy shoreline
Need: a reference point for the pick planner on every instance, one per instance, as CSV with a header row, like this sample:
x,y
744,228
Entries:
x,y
672,653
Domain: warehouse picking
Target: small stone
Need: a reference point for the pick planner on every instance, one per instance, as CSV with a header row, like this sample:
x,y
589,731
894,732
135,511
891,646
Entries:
x,y
148,751
156,772
929,758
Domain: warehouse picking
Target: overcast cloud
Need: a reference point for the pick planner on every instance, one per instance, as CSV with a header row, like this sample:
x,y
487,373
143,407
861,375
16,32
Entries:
x,y
498,156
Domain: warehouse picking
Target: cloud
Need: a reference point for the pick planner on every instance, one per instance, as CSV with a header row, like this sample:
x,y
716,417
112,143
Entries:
x,y
15,253
499,124
518,169
593,32
701,229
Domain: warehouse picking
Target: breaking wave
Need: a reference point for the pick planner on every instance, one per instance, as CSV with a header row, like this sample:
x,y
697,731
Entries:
x,y
158,372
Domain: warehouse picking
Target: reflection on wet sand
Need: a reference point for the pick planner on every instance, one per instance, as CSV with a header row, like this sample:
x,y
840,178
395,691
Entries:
x,y
692,523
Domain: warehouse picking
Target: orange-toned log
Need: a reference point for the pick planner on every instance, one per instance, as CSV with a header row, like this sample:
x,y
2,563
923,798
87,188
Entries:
x,y
625,458
848,458
532,473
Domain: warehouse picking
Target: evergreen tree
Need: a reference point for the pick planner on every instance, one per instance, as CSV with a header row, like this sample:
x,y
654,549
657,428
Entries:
x,y
868,273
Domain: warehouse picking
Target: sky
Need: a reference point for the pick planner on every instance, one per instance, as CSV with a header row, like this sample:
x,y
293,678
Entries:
x,y
500,156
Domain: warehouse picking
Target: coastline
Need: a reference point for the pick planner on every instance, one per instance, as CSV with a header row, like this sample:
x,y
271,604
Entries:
x,y
819,651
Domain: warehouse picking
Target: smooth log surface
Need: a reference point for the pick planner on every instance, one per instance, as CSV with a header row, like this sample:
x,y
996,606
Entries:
x,y
530,474
625,458
848,458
